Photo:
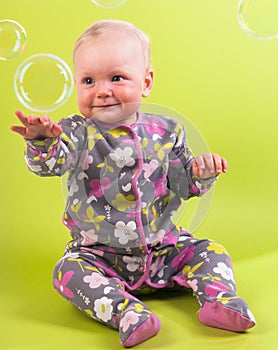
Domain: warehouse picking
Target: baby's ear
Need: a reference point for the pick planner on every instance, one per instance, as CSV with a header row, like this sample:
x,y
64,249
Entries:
x,y
148,83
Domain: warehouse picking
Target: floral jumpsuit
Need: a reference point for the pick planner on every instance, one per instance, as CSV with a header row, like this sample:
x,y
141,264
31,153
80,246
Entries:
x,y
124,186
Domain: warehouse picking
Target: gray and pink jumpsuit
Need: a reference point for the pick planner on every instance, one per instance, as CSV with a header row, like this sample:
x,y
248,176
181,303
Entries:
x,y
125,184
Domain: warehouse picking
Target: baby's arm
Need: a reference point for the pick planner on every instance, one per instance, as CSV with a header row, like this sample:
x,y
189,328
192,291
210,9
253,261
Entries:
x,y
36,127
209,165
51,148
193,176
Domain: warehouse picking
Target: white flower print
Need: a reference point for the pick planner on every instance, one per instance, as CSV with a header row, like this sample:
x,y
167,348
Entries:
x,y
125,232
156,237
103,308
122,157
95,280
133,263
225,271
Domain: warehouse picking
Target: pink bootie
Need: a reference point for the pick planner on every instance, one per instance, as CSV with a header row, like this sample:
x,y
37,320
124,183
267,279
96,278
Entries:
x,y
217,315
144,331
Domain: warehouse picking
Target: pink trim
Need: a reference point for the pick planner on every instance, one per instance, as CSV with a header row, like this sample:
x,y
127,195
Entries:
x,y
135,190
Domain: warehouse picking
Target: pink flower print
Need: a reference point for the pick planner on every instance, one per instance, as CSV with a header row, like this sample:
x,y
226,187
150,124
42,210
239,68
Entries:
x,y
160,188
156,126
150,168
180,260
61,283
86,160
170,238
193,285
96,280
89,237
214,289
97,252
130,318
99,186
157,266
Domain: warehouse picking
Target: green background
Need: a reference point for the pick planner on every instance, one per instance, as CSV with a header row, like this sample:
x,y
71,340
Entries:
x,y
214,75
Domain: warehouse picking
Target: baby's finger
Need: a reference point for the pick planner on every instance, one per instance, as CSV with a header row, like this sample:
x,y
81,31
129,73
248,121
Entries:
x,y
224,165
21,130
33,119
22,117
209,163
217,163
45,120
195,168
56,130
200,163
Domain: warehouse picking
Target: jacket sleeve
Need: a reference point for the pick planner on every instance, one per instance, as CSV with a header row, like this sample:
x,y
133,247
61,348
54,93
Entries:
x,y
182,180
55,156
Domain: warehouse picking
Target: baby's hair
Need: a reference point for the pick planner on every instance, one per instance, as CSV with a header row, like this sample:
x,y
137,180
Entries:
x,y
105,27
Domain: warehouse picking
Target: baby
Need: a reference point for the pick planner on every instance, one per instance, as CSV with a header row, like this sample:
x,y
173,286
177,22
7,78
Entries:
x,y
127,174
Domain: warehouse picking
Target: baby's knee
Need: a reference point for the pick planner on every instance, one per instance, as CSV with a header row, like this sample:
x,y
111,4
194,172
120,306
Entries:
x,y
211,247
62,279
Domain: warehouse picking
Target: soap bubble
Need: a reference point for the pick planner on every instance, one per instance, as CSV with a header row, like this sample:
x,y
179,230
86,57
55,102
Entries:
x,y
109,3
259,18
13,39
43,82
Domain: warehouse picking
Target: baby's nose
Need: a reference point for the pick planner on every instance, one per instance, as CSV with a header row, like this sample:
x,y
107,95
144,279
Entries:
x,y
104,90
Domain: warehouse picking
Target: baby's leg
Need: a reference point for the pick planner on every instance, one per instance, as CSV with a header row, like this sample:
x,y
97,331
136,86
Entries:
x,y
210,274
104,299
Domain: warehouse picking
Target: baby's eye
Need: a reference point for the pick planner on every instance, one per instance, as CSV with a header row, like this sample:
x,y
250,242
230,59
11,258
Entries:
x,y
88,81
117,78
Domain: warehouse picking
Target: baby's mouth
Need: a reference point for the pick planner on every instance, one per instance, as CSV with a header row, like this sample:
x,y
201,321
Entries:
x,y
106,106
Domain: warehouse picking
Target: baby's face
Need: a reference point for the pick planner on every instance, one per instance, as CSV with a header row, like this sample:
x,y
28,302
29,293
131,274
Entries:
x,y
111,78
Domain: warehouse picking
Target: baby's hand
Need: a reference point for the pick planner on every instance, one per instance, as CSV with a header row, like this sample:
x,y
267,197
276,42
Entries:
x,y
209,165
36,127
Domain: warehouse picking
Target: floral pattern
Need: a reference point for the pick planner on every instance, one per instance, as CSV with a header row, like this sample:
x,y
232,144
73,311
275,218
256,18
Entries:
x,y
111,169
